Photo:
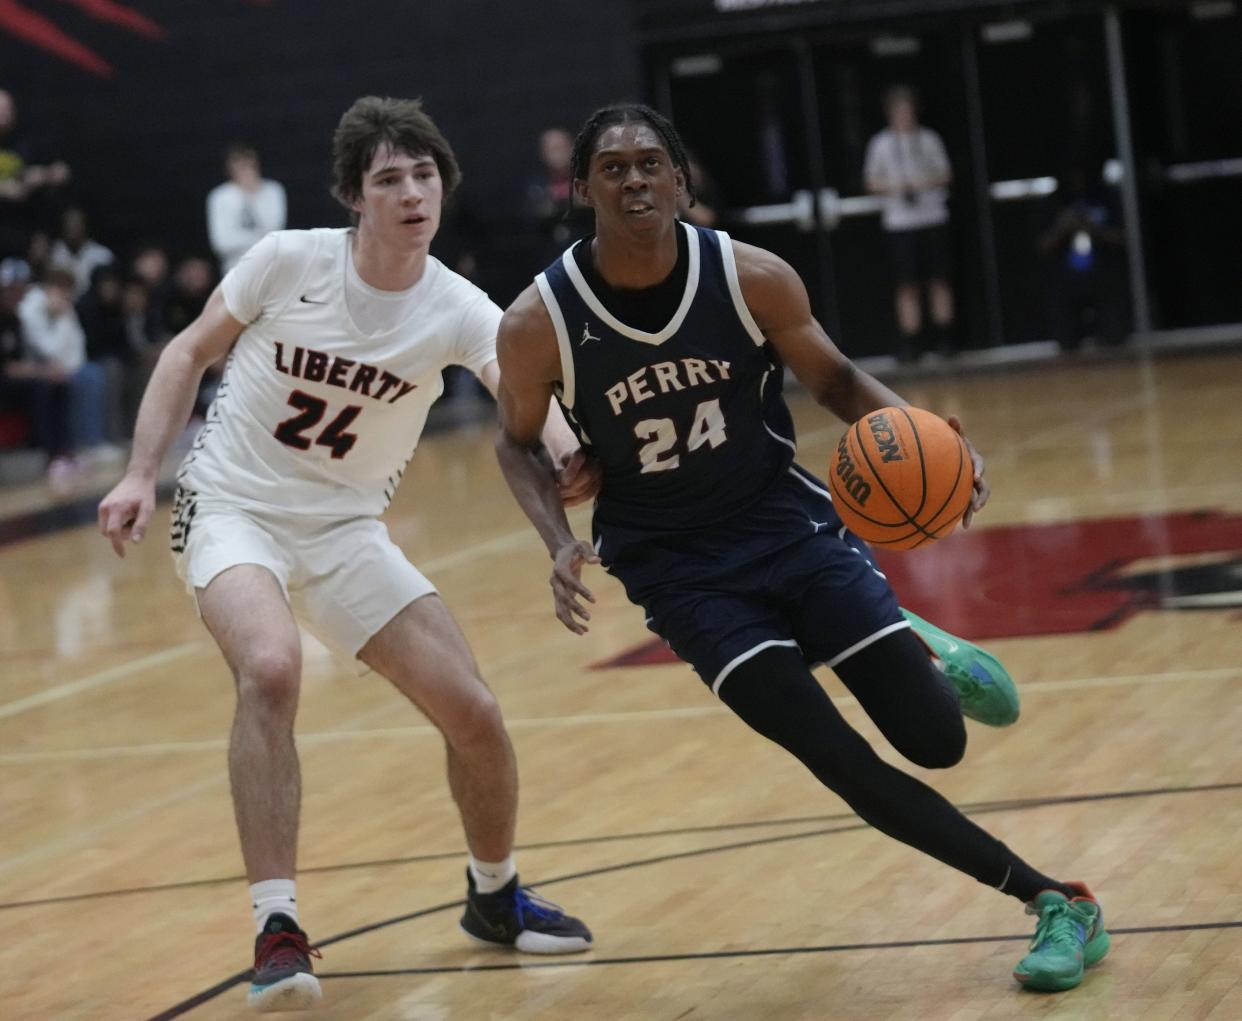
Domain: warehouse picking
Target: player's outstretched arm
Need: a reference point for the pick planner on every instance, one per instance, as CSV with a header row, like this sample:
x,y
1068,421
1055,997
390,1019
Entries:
x,y
529,364
777,299
577,473
165,409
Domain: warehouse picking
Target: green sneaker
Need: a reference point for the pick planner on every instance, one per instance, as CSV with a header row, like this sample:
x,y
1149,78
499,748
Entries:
x,y
1069,937
987,691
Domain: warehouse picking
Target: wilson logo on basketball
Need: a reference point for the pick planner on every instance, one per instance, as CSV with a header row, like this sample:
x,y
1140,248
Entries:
x,y
901,478
885,437
847,471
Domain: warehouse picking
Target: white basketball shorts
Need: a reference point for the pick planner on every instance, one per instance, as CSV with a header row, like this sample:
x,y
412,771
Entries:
x,y
344,579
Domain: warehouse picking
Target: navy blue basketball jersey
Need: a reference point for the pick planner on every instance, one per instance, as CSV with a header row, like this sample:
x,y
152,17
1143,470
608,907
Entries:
x,y
689,423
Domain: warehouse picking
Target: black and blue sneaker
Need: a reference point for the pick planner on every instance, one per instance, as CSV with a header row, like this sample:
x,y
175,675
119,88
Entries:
x,y
283,977
516,917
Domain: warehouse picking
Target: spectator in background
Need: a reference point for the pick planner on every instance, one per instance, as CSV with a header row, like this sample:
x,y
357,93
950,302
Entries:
x,y
103,321
555,215
14,282
34,391
243,209
1083,247
50,328
462,235
99,312
54,339
150,263
191,287
550,192
23,182
192,284
906,163
76,252
144,339
150,266
39,254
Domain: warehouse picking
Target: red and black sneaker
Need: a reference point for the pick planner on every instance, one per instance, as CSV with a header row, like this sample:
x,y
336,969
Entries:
x,y
283,977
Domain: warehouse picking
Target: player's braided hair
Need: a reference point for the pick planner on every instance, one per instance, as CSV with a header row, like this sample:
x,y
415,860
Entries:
x,y
628,113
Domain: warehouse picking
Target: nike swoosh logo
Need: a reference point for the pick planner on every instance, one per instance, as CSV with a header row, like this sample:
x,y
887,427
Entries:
x,y
312,301
495,928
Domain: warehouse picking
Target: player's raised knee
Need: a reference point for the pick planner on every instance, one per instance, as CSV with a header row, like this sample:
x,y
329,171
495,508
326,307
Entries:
x,y
475,719
939,751
270,678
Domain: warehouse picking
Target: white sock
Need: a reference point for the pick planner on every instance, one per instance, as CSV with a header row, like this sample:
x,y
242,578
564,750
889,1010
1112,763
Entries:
x,y
272,896
490,876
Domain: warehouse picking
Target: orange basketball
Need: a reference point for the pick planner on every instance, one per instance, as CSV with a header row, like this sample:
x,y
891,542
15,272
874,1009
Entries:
x,y
901,478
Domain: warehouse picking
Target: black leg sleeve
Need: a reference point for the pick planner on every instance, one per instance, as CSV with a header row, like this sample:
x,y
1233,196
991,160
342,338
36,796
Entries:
x,y
915,705
776,695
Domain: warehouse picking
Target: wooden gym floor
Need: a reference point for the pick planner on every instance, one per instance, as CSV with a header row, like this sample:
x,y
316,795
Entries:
x,y
721,881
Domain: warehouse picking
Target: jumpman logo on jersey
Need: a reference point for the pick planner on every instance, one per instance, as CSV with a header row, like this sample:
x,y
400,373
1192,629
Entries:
x,y
586,334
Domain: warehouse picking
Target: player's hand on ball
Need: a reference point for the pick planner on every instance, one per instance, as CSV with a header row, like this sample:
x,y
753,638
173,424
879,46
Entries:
x,y
567,587
982,490
579,478
126,511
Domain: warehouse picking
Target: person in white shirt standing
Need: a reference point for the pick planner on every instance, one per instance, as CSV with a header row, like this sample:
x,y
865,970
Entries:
x,y
907,164
52,335
245,208
335,342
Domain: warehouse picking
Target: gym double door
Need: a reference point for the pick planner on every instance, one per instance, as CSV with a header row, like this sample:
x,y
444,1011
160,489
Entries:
x,y
1049,123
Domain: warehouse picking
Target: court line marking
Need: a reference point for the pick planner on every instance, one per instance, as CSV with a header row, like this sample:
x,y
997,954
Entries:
x,y
79,837
968,808
127,671
708,955
578,517
72,839
498,544
224,986
97,680
447,562
533,723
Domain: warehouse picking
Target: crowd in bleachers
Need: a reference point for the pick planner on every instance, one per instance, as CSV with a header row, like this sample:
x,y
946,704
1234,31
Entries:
x,y
81,325
83,320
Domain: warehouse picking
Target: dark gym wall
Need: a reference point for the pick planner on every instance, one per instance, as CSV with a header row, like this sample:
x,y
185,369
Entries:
x,y
1045,111
146,143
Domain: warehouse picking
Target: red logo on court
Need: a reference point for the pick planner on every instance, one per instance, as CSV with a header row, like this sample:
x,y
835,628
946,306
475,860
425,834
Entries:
x,y
1021,581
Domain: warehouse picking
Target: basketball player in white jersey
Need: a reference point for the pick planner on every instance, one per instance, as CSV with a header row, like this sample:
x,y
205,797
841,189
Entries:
x,y
335,341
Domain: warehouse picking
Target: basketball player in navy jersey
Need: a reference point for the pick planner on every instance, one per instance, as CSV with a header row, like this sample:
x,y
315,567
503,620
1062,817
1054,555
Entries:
x,y
666,345
336,340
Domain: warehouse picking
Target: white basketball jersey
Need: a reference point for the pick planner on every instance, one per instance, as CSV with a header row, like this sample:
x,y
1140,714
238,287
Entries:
x,y
312,415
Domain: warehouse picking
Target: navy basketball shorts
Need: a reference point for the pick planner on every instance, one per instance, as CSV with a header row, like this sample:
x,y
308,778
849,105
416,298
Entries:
x,y
783,572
